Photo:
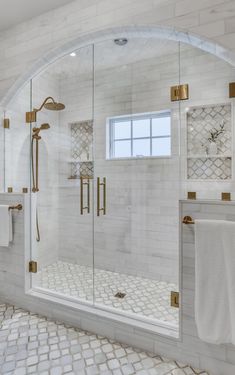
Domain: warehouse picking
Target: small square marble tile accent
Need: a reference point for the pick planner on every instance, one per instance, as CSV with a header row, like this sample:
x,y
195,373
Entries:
x,y
143,297
81,357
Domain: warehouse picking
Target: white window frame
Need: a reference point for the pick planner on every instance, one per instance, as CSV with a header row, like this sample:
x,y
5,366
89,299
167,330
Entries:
x,y
110,140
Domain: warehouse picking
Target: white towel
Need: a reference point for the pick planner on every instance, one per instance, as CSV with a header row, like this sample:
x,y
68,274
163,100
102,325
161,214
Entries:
x,y
6,234
215,280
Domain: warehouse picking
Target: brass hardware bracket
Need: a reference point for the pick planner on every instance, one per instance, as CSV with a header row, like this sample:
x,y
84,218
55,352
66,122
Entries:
x,y
188,220
31,117
192,195
232,90
33,266
25,190
179,92
19,207
10,189
6,123
175,299
226,196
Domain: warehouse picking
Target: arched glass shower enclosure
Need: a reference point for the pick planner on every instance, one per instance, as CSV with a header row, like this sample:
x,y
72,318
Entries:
x,y
106,157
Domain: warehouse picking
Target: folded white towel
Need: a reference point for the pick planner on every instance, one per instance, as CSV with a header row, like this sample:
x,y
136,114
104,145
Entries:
x,y
215,280
6,234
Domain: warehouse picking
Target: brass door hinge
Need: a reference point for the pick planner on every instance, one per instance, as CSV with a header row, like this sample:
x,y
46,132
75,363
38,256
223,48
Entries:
x,y
6,123
175,299
33,266
232,90
179,92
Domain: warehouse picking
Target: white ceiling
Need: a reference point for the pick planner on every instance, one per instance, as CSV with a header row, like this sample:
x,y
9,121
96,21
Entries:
x,y
13,12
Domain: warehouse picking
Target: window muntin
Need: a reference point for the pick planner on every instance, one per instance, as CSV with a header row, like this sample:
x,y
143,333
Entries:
x,y
145,135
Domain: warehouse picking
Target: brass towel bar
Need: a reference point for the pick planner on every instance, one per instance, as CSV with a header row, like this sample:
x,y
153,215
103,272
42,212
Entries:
x,y
18,207
188,220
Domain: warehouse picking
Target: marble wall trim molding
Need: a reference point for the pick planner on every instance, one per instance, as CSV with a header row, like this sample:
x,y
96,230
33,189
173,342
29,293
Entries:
x,y
160,32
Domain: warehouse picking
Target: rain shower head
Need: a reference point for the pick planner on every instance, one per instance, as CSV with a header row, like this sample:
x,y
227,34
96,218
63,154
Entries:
x,y
49,103
53,106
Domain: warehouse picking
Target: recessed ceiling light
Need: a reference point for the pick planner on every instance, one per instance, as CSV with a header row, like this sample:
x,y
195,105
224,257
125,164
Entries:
x,y
73,54
121,41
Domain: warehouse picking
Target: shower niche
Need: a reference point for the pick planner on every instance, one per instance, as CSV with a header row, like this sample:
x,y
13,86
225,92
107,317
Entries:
x,y
209,142
81,163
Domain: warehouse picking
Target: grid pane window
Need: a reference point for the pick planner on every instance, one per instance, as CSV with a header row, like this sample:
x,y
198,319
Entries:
x,y
140,135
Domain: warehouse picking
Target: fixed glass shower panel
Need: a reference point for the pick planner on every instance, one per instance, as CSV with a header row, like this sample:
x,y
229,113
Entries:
x,y
16,147
136,153
62,177
207,152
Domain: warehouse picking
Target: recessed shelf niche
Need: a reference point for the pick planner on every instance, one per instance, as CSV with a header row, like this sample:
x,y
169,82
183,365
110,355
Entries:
x,y
81,163
209,142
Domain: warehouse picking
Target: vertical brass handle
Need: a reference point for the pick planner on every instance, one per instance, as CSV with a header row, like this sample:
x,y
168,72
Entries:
x,y
99,184
82,184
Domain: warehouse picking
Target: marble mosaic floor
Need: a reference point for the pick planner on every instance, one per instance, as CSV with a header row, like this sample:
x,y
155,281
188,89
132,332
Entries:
x,y
144,297
32,344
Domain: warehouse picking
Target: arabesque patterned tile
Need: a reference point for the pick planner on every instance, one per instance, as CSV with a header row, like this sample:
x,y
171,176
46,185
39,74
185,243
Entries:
x,y
33,344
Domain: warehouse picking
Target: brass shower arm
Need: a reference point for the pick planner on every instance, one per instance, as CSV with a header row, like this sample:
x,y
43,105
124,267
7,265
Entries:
x,y
53,105
45,101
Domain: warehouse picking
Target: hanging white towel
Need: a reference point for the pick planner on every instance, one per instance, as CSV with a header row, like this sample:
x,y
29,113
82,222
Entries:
x,y
6,234
215,280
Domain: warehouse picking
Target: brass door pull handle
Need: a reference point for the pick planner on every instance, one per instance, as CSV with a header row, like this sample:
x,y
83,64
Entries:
x,y
99,185
82,184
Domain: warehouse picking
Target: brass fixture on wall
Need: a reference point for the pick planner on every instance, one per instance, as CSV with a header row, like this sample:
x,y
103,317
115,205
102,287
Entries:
x,y
35,139
192,195
188,220
226,196
232,90
49,103
6,123
10,189
33,266
175,299
179,92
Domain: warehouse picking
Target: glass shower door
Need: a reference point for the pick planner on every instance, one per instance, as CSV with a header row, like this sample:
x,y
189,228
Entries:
x,y
136,149
62,214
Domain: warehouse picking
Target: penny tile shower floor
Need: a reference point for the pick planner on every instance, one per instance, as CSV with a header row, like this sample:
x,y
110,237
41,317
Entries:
x,y
143,296
32,344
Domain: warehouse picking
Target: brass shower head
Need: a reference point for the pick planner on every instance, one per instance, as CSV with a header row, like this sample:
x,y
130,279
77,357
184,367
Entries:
x,y
53,106
49,103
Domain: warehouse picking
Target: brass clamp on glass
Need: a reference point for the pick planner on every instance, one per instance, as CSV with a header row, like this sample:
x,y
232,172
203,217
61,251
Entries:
x,y
188,220
85,181
18,207
99,185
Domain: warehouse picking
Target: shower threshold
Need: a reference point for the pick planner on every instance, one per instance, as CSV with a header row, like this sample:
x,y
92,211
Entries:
x,y
143,301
